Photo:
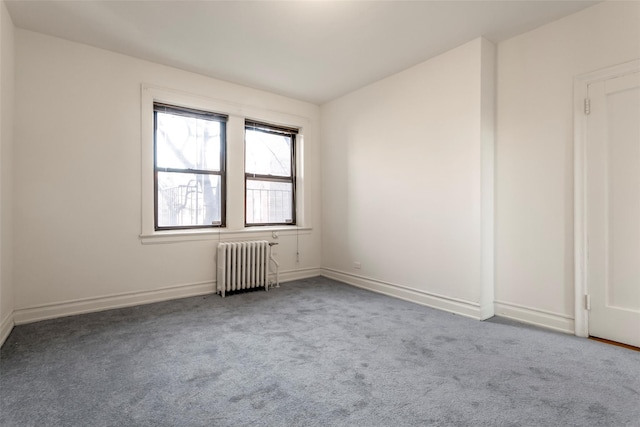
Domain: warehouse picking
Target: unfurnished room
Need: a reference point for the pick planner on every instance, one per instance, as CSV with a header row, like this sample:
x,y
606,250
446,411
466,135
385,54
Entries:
x,y
319,213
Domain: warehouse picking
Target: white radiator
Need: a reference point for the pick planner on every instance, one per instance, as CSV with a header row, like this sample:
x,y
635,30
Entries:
x,y
244,265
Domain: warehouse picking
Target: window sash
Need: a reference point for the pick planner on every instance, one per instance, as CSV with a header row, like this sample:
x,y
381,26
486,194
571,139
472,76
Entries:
x,y
271,203
267,128
199,114
189,112
288,179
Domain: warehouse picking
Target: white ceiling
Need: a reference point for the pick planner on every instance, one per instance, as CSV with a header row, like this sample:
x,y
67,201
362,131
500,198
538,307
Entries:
x,y
310,50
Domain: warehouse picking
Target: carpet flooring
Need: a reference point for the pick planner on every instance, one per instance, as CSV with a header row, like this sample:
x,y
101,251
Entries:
x,y
311,353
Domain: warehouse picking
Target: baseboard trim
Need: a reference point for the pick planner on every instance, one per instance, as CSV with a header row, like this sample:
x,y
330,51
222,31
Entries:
x,y
441,302
89,305
6,326
302,273
546,319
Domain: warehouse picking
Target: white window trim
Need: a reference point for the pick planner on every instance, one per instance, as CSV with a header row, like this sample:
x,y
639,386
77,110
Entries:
x,y
234,172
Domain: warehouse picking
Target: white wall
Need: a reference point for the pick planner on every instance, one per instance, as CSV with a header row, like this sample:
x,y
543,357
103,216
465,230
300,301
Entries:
x,y
6,154
406,173
402,179
77,176
534,161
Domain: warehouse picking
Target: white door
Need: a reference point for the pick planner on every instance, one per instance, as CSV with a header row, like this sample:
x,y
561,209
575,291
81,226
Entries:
x,y
613,209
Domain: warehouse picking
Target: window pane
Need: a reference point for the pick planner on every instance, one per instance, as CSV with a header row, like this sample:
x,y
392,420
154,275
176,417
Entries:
x,y
186,199
267,154
187,142
269,202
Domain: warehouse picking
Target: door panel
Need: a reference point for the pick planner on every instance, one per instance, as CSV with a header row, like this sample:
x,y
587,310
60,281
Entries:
x,y
613,209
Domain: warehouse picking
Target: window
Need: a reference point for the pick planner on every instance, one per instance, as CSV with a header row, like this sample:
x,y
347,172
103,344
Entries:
x,y
189,167
213,169
270,183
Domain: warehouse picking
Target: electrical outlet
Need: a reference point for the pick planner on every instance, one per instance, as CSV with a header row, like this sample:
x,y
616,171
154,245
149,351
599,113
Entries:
x,y
357,265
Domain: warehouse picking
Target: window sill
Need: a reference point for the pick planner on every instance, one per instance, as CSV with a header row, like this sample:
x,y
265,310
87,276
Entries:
x,y
176,236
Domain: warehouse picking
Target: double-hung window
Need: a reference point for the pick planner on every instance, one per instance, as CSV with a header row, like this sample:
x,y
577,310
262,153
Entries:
x,y
270,174
189,167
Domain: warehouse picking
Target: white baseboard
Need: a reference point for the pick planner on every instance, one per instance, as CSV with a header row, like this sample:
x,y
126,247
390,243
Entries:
x,y
89,305
441,302
533,316
303,273
555,321
5,328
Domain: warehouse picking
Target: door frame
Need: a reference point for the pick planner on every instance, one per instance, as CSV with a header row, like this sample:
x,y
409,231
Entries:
x,y
580,94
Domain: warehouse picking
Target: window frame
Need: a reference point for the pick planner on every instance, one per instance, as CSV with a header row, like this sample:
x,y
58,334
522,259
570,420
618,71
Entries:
x,y
290,132
193,113
238,110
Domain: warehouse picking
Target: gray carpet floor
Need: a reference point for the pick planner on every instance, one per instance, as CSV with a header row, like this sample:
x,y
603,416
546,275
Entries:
x,y
312,353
